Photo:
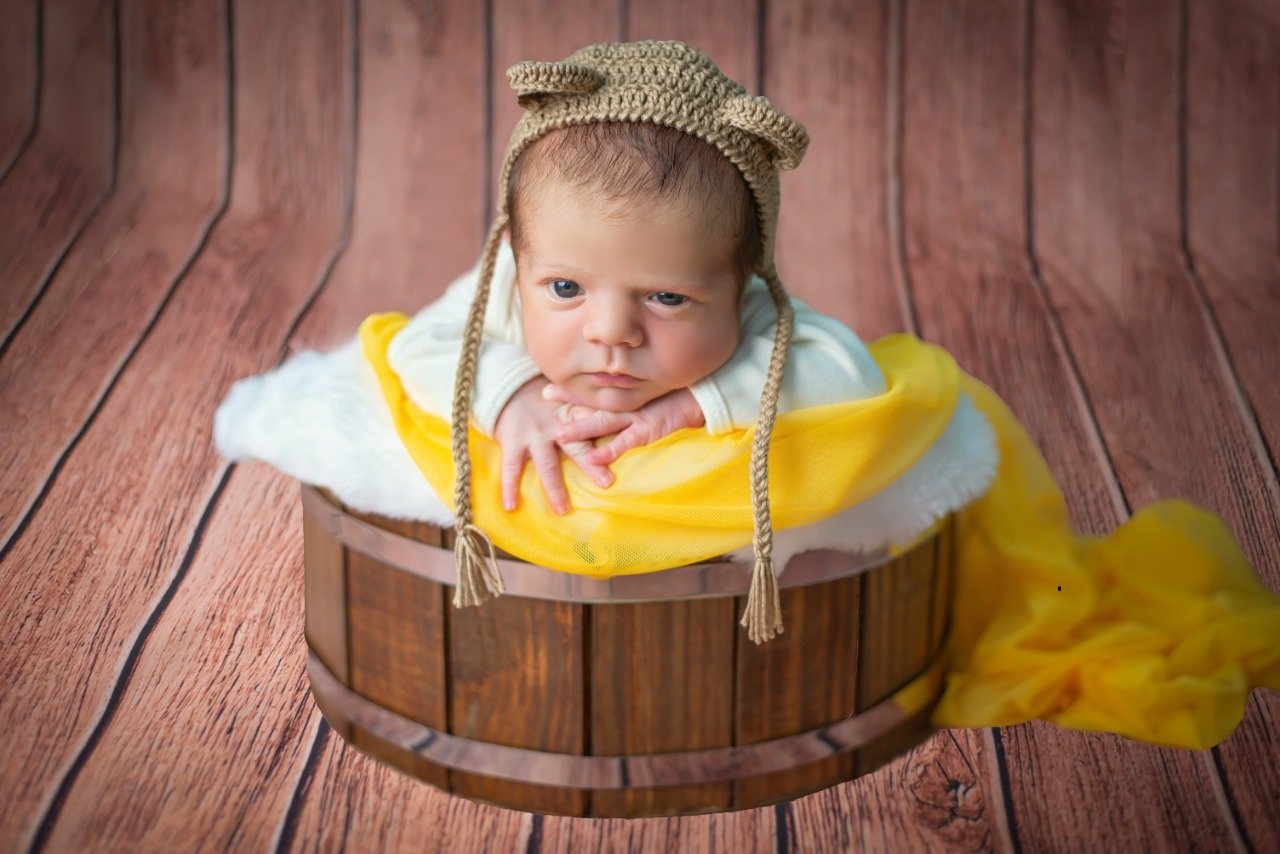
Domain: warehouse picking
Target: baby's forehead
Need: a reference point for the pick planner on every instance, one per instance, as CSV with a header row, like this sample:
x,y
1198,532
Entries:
x,y
706,213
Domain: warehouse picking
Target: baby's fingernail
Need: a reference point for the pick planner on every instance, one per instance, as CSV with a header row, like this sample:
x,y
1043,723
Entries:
x,y
508,504
604,480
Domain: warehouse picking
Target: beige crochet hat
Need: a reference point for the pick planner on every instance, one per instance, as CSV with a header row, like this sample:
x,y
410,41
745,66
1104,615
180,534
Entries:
x,y
665,83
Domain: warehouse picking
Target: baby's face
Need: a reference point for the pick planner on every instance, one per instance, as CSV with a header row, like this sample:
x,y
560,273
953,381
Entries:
x,y
622,305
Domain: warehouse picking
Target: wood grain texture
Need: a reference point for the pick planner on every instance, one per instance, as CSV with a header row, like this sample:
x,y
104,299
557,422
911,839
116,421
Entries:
x,y
747,831
18,96
397,637
171,184
895,628
943,589
1232,61
53,187
223,669
895,645
136,517
661,681
419,214
516,677
351,802
826,64
932,799
801,680
144,470
976,294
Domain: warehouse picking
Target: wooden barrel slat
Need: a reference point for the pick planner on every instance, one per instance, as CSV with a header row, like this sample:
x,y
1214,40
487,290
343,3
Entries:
x,y
516,678
620,679
396,659
325,595
658,684
804,678
940,607
895,605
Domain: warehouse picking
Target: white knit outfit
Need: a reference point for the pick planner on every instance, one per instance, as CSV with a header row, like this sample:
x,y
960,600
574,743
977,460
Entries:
x,y
827,363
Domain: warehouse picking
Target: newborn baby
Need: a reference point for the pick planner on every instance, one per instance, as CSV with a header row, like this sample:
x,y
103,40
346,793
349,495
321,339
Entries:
x,y
630,309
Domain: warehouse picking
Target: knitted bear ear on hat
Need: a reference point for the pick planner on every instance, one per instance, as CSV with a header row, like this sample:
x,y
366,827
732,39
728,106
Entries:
x,y
755,115
532,80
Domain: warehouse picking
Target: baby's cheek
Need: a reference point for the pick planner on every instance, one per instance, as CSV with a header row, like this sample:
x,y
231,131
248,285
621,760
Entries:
x,y
698,356
547,346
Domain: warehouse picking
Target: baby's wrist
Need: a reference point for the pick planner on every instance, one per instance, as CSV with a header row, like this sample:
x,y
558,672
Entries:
x,y
531,390
690,409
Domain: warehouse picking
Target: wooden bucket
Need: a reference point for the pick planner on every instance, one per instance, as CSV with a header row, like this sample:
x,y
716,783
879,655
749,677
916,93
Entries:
x,y
631,696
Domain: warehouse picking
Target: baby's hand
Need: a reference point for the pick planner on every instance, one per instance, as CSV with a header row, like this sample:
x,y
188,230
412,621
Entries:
x,y
525,430
673,411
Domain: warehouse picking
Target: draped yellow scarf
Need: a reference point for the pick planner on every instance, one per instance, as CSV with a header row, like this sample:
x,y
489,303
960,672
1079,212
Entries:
x,y
1157,632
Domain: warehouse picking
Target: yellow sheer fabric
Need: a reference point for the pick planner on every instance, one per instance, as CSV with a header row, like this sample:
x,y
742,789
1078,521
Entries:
x,y
1157,632
687,497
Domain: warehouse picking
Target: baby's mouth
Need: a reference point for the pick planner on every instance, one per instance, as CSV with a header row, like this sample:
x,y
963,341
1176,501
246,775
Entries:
x,y
613,380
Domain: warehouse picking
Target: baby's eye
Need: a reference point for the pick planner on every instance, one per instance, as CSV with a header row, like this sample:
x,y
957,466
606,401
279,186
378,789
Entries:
x,y
669,299
565,289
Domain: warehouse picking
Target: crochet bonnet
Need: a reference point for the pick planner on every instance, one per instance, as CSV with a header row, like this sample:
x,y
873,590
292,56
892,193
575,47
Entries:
x,y
665,83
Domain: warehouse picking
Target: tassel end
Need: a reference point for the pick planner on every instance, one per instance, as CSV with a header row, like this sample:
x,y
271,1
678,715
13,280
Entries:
x,y
477,563
763,615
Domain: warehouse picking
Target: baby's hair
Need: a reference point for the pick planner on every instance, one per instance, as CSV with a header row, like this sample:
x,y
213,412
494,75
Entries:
x,y
629,160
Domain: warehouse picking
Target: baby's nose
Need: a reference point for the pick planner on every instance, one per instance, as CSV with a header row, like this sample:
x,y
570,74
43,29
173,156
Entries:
x,y
613,325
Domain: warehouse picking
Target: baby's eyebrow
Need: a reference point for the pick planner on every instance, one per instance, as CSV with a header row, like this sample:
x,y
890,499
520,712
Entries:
x,y
545,267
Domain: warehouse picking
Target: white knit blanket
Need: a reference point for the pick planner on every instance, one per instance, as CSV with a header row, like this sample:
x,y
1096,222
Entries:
x,y
322,419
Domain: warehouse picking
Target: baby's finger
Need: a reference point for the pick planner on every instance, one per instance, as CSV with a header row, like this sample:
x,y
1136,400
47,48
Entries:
x,y
592,426
569,412
632,437
546,459
513,458
577,451
558,394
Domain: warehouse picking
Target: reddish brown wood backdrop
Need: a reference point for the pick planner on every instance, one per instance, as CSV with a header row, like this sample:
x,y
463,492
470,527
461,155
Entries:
x,y
1080,199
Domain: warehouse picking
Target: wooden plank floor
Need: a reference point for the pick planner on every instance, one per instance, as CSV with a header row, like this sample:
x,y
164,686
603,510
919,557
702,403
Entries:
x,y
1081,200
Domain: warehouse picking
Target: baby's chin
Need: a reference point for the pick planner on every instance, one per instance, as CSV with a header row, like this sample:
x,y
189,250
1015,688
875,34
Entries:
x,y
617,399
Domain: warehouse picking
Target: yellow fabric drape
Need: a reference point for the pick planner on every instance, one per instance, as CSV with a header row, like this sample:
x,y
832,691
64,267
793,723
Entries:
x,y
1158,632
686,497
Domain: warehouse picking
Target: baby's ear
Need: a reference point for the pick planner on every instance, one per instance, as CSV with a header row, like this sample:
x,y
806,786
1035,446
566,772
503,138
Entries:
x,y
755,115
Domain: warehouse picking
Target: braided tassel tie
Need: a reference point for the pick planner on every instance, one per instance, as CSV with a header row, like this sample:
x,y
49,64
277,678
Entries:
x,y
763,614
473,553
